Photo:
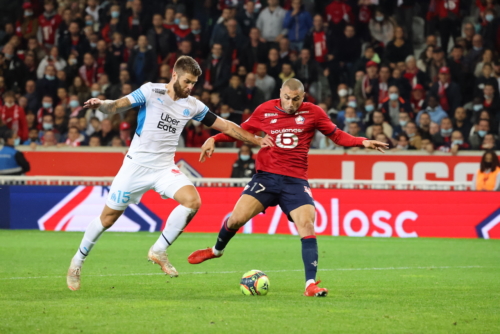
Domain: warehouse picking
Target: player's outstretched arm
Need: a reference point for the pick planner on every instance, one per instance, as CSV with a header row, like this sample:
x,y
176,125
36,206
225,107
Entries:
x,y
108,106
233,130
342,138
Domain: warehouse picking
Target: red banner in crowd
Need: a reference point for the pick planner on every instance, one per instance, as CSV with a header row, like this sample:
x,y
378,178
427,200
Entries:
x,y
359,213
321,166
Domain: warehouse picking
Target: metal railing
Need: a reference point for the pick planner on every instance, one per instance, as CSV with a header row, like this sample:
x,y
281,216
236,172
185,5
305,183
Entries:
x,y
229,182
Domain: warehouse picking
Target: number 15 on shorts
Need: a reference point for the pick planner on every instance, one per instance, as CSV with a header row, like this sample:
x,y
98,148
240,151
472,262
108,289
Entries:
x,y
121,196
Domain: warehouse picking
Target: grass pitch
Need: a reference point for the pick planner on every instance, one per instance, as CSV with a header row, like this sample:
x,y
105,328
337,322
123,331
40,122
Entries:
x,y
376,286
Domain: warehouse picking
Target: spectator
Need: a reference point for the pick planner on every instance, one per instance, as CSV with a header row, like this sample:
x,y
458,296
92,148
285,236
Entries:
x,y
350,117
273,63
74,106
245,165
49,139
264,81
13,68
95,141
31,95
447,15
490,142
80,89
414,75
60,120
425,60
485,79
30,66
74,43
197,134
447,91
13,116
433,109
378,119
474,55
255,96
338,14
34,47
142,62
382,28
442,139
254,52
487,178
47,107
415,139
49,22
457,143
398,49
217,70
319,41
126,133
284,50
33,138
480,131
403,143
404,118
199,44
461,122
74,139
48,85
234,97
106,133
137,20
393,105
115,90
417,98
348,50
298,22
306,70
12,162
491,101
161,39
270,22
486,58
28,27
52,59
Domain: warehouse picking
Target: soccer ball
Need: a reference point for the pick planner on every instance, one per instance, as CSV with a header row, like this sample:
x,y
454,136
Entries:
x,y
254,282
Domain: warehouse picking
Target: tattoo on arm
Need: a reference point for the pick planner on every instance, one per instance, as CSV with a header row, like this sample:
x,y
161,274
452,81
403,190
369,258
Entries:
x,y
116,106
236,134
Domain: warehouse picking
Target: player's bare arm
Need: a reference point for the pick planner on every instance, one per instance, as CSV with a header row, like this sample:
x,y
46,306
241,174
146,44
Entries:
x,y
109,106
231,129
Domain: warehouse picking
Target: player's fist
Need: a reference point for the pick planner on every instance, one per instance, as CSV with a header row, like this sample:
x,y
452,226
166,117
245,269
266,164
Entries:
x,y
207,149
92,104
265,141
375,145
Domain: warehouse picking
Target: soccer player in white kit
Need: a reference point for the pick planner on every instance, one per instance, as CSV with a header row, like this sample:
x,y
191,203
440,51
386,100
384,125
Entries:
x,y
149,163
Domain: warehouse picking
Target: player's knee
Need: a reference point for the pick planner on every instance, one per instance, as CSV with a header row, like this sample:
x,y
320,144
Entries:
x,y
305,223
108,219
236,221
193,203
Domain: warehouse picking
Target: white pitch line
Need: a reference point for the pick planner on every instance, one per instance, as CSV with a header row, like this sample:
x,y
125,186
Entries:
x,y
234,272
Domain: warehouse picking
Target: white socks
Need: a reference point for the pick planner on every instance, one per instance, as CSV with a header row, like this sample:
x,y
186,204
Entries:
x,y
309,282
176,222
92,234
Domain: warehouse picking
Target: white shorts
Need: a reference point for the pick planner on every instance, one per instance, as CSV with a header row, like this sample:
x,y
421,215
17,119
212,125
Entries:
x,y
134,180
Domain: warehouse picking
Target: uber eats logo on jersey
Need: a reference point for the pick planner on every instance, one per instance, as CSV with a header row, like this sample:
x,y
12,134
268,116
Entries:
x,y
167,123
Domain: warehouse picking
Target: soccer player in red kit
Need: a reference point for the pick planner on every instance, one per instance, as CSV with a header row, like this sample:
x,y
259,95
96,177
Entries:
x,y
281,177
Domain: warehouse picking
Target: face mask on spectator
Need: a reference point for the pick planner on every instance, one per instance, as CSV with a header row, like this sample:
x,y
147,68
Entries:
x,y
89,22
411,135
95,93
47,126
17,141
183,26
402,147
350,119
477,48
177,21
215,57
28,13
393,96
369,107
196,31
9,56
115,14
489,17
50,77
73,103
379,18
352,104
342,92
486,97
481,133
47,105
9,104
477,107
446,132
457,142
72,61
430,109
93,45
195,123
244,157
403,123
224,115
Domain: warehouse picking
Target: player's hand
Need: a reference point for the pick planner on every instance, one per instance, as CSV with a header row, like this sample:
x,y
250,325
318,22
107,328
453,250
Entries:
x,y
207,149
92,104
265,141
375,145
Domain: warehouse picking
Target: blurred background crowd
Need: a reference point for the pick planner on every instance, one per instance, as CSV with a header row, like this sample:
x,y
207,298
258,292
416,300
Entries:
x,y
419,75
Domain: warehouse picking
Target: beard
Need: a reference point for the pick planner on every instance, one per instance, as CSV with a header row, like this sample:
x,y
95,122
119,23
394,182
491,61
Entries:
x,y
179,92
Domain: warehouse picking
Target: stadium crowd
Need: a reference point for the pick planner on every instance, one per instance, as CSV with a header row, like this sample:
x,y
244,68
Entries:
x,y
419,75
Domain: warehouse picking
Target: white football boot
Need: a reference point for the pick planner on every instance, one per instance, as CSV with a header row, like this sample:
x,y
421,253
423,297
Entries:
x,y
73,277
161,259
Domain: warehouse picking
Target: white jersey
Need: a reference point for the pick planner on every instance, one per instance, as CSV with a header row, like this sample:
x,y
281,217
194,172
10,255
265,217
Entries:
x,y
159,124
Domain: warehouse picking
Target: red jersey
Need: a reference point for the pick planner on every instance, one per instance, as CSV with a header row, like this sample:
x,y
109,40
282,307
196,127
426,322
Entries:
x,y
292,135
48,27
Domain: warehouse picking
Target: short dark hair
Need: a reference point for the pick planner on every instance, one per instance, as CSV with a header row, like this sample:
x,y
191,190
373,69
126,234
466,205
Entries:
x,y
494,163
187,64
404,135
